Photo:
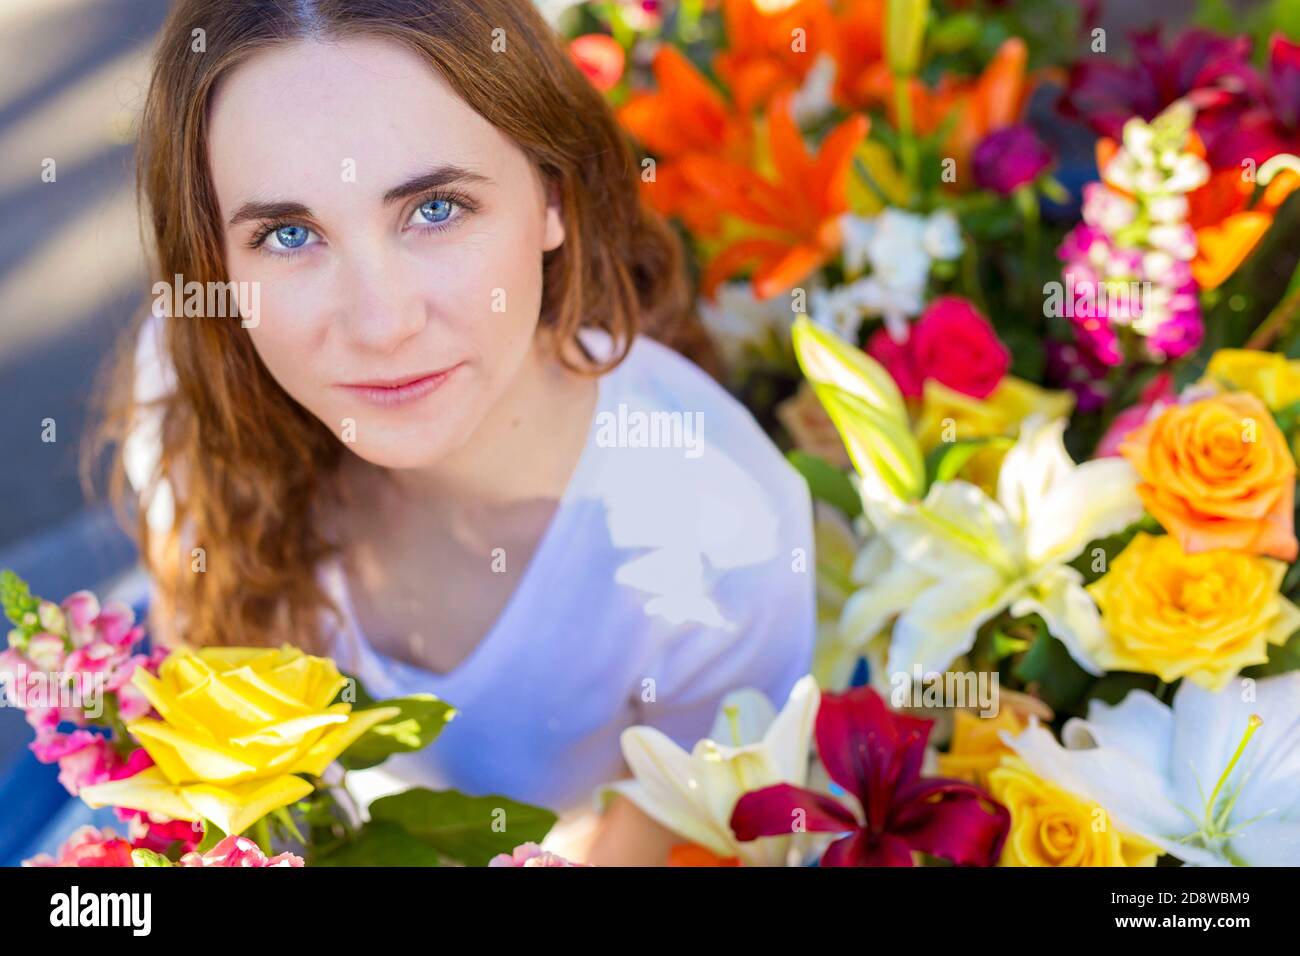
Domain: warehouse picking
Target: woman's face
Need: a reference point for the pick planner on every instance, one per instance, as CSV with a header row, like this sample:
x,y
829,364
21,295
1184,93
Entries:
x,y
396,235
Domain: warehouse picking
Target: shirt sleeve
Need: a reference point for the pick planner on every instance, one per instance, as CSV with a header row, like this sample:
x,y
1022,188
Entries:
x,y
142,447
771,608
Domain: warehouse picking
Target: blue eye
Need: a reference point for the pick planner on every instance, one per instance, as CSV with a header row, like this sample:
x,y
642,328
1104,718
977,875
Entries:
x,y
435,210
291,237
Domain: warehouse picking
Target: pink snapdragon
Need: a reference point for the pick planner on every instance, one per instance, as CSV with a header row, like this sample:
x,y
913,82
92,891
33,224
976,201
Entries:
x,y
88,846
238,851
1128,264
529,854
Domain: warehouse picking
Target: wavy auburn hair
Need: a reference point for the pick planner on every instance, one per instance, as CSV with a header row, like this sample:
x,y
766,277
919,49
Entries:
x,y
247,466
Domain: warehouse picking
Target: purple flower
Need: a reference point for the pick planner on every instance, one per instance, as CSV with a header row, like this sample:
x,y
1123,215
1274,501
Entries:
x,y
1008,158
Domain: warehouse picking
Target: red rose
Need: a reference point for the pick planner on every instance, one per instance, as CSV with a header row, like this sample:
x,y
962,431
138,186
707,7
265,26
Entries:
x,y
951,343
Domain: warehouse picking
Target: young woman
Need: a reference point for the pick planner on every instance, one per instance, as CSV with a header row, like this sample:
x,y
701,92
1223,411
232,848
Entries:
x,y
446,449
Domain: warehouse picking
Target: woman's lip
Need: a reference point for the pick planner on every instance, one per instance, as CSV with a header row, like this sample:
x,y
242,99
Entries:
x,y
400,391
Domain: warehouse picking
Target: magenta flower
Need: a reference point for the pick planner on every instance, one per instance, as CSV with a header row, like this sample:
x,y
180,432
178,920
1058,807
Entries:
x,y
952,343
1008,158
1212,71
1073,366
1271,124
876,756
152,832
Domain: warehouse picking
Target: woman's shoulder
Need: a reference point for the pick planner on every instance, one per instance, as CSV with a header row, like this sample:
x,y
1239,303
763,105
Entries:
x,y
690,487
658,399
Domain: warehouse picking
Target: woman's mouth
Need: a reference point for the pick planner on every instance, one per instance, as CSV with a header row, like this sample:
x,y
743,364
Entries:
x,y
389,393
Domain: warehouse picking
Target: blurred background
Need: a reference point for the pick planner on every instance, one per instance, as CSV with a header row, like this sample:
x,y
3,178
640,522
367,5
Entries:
x,y
73,75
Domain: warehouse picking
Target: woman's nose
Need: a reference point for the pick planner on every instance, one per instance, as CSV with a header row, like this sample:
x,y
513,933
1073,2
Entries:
x,y
382,308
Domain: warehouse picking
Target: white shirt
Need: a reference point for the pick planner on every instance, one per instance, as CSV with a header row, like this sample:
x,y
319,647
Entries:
x,y
667,577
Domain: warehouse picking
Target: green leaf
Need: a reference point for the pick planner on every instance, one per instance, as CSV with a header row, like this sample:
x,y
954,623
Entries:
x,y
381,843
354,693
946,461
421,719
1113,688
826,482
1004,645
1048,665
468,829
142,857
212,835
1281,659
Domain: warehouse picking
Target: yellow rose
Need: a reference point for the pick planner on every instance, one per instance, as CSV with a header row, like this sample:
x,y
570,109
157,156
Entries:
x,y
1202,616
1272,378
238,724
1053,827
949,416
976,747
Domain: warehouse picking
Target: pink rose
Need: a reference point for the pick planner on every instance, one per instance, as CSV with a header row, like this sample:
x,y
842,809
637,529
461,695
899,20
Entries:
x,y
951,343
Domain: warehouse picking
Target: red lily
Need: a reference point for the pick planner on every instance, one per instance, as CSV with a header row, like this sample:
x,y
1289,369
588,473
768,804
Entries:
x,y
1211,71
1271,124
876,755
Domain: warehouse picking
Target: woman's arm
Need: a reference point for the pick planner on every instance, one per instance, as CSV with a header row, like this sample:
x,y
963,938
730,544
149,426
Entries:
x,y
626,836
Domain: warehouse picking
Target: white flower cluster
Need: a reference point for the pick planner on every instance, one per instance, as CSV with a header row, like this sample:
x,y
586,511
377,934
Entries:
x,y
898,248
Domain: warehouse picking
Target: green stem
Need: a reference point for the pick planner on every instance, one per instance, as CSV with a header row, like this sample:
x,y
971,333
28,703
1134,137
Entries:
x,y
262,835
1276,322
906,137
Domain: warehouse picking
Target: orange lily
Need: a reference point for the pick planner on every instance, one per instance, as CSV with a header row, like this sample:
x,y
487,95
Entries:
x,y
977,106
862,75
796,214
762,60
685,115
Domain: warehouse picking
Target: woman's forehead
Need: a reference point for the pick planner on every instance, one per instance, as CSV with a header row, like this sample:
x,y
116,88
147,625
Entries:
x,y
304,118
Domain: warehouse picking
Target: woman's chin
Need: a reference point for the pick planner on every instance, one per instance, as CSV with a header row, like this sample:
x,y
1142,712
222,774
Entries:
x,y
401,456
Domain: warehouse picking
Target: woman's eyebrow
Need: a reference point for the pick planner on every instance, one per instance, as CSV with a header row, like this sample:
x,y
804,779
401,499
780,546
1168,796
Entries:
x,y
251,211
433,179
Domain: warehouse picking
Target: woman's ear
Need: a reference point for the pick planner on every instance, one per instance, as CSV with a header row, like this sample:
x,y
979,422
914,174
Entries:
x,y
553,232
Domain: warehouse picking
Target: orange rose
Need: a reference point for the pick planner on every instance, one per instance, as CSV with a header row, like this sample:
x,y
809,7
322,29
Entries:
x,y
1218,474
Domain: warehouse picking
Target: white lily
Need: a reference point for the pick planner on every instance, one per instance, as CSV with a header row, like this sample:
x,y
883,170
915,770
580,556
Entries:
x,y
1214,780
750,747
961,557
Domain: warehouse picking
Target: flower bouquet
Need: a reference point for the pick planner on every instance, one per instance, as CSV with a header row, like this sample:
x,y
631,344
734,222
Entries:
x,y
1051,434
232,756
